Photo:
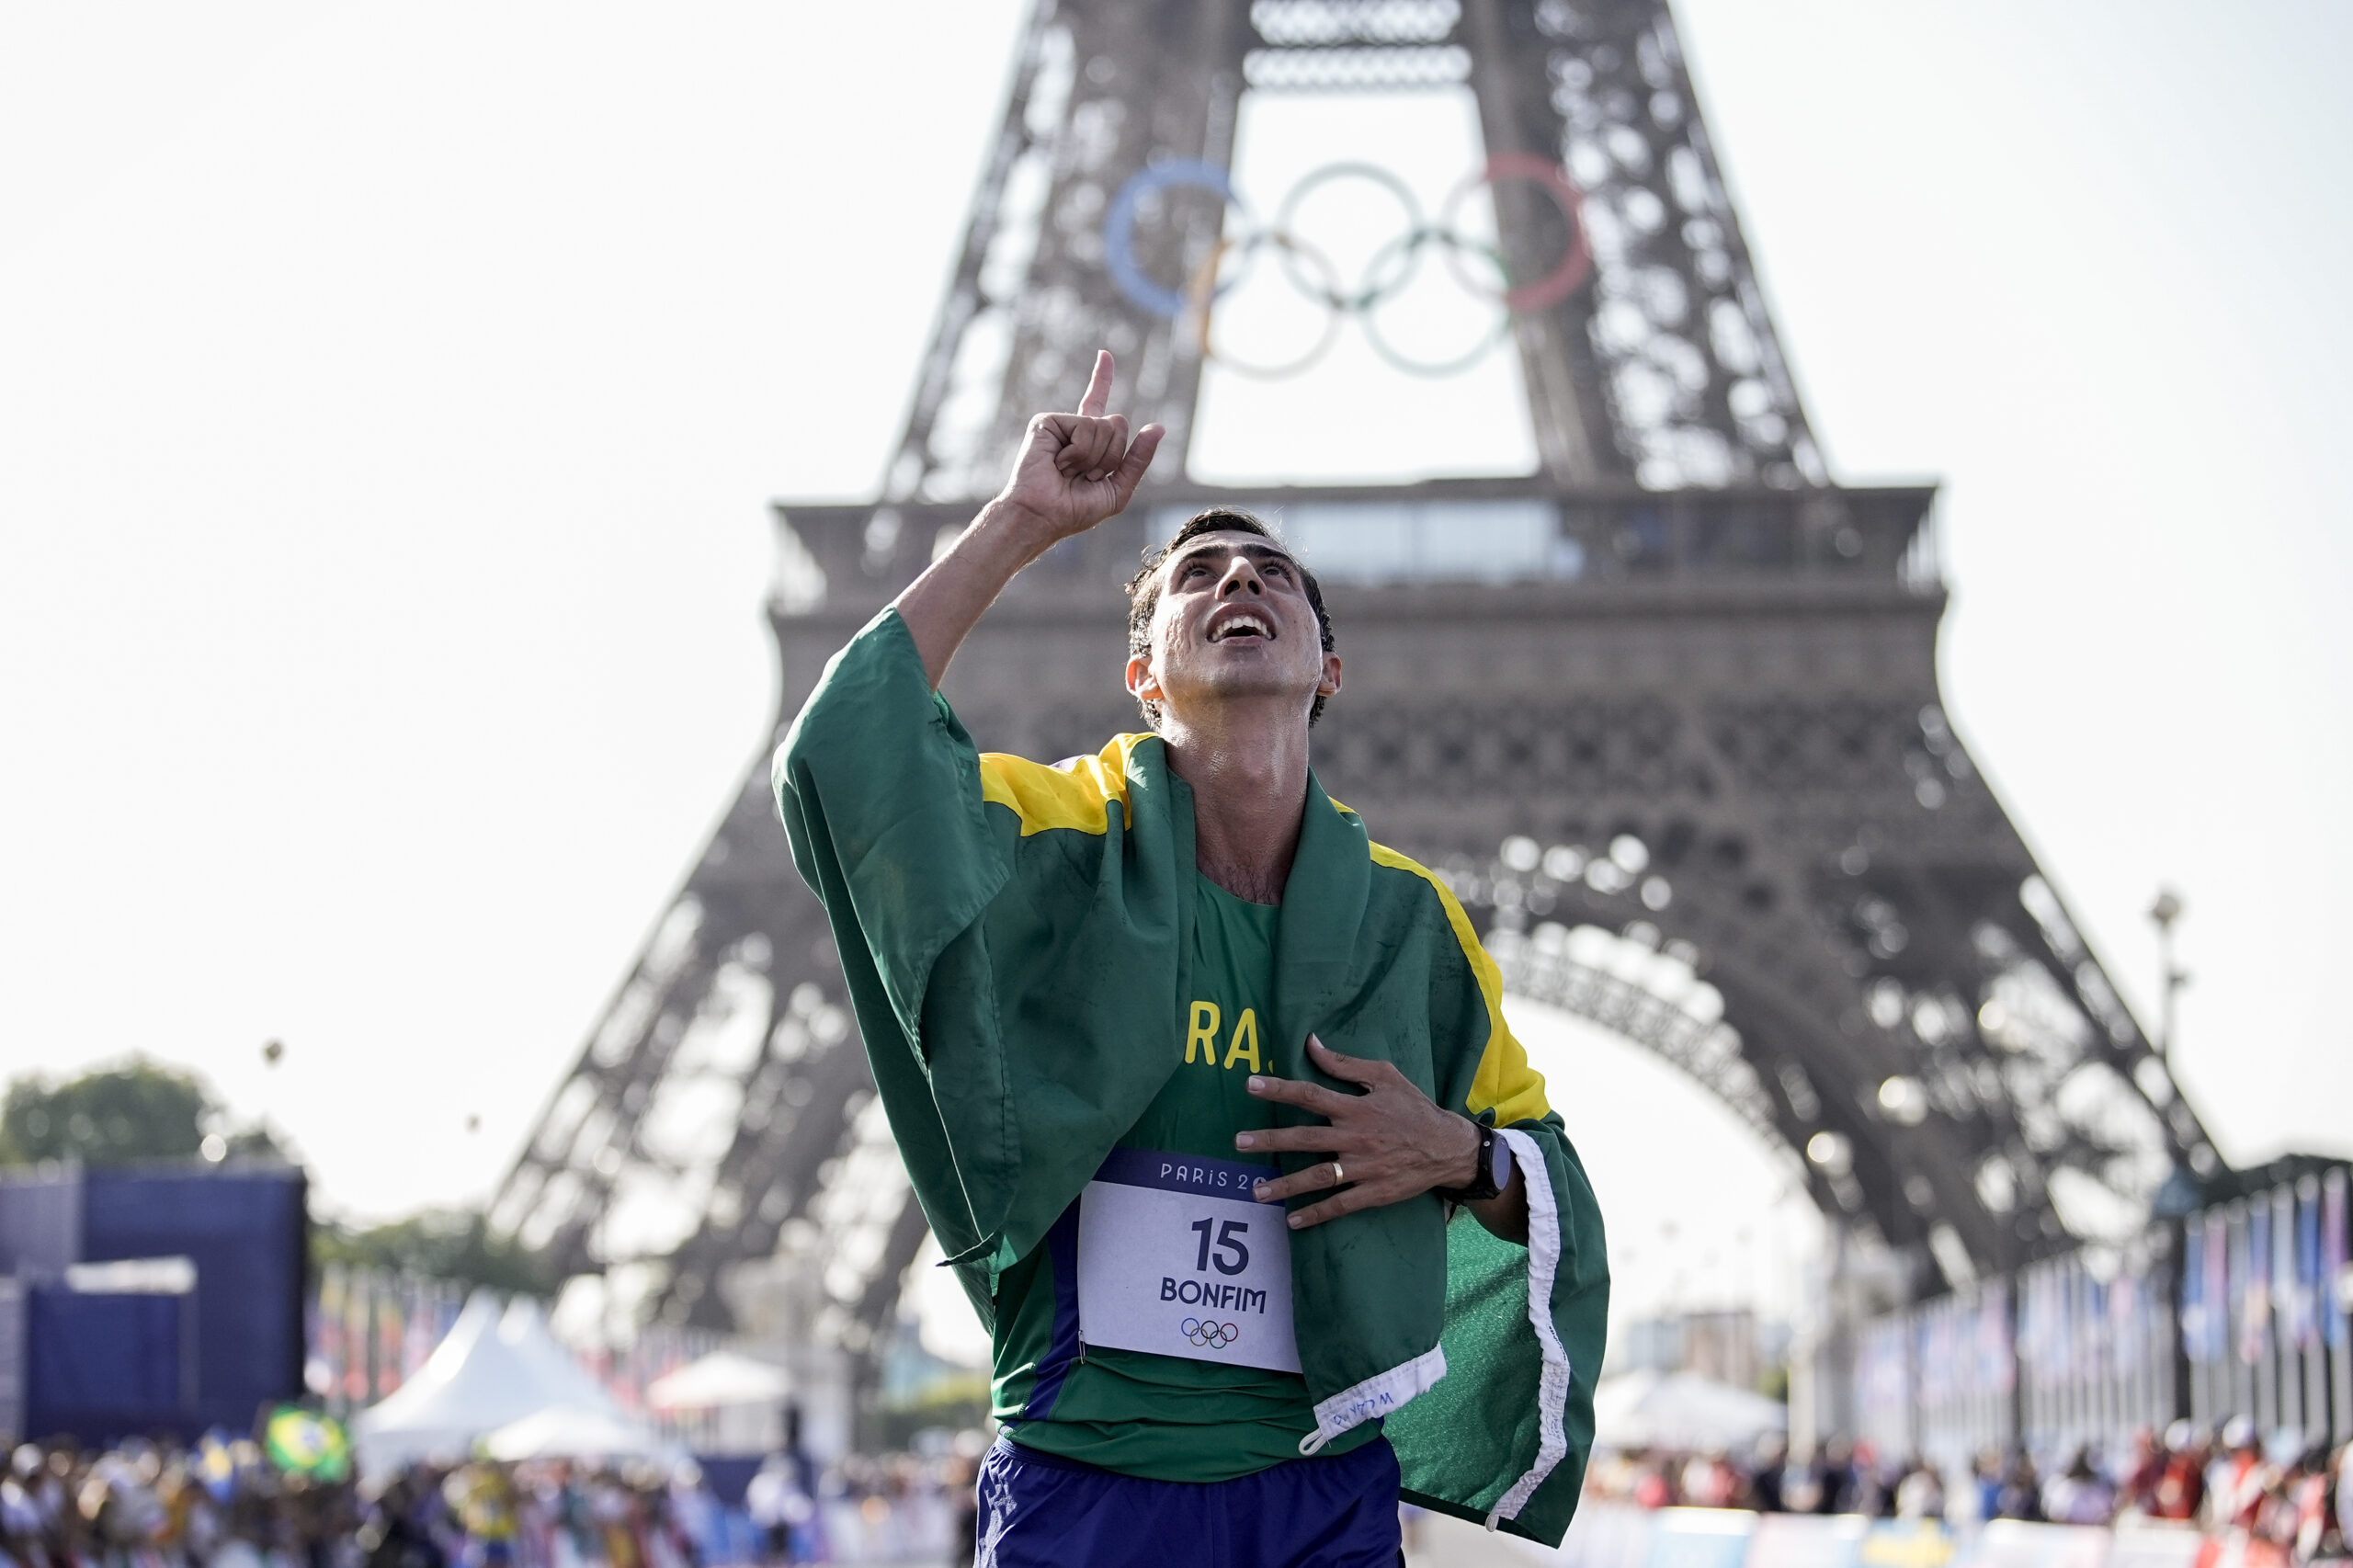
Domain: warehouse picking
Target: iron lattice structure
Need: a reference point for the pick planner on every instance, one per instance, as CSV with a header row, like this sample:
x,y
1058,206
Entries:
x,y
1678,745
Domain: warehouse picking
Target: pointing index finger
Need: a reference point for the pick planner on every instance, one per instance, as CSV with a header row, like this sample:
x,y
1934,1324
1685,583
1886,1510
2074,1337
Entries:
x,y
1098,385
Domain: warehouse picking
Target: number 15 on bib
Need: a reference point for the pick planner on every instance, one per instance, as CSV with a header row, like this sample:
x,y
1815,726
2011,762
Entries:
x,y
1176,1259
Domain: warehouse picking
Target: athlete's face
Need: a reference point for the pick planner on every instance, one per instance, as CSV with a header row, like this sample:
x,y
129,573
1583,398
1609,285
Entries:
x,y
1232,623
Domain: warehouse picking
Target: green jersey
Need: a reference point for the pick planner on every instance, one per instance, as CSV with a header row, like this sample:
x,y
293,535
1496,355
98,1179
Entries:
x,y
1166,1418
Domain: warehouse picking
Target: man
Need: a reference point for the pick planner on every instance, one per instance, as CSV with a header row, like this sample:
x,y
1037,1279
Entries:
x,y
1188,1074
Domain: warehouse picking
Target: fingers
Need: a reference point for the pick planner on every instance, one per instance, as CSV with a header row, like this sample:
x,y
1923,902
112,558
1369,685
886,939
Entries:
x,y
1313,1140
1352,1194
1354,1069
1130,473
1098,385
1091,447
1317,1177
1077,443
1110,449
1332,1208
1311,1097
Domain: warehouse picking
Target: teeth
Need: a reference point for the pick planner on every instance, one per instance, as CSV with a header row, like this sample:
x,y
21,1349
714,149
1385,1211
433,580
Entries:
x,y
1244,622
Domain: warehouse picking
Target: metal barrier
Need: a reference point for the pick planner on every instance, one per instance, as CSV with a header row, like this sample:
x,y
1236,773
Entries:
x,y
1618,1535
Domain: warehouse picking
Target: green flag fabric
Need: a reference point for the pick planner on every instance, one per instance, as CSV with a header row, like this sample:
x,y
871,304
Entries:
x,y
1015,939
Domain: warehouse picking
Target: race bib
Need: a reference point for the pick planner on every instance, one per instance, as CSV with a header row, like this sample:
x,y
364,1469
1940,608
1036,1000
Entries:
x,y
1174,1258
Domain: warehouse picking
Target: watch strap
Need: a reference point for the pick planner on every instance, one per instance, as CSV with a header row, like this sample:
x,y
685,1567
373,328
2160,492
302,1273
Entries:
x,y
1484,1185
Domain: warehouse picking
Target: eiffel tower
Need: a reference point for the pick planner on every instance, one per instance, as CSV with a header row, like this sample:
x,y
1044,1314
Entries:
x,y
1664,711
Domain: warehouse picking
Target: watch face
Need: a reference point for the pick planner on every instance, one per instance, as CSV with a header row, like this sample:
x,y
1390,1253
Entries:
x,y
1499,1165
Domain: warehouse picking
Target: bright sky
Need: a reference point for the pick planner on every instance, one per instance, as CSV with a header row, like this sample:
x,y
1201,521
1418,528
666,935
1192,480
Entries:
x,y
391,398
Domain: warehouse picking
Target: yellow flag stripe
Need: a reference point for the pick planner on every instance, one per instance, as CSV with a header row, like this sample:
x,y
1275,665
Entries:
x,y
1505,1081
1046,798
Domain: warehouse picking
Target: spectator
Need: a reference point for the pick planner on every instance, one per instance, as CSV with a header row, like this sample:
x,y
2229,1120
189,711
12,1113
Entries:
x,y
2307,1507
1832,1473
1985,1484
1919,1491
1867,1491
697,1517
2079,1494
1709,1481
2136,1489
393,1535
481,1496
2342,1480
2181,1478
1765,1474
2237,1478
2020,1495
781,1507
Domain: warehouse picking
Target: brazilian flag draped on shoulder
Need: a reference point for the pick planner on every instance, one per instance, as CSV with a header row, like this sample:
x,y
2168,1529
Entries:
x,y
1016,939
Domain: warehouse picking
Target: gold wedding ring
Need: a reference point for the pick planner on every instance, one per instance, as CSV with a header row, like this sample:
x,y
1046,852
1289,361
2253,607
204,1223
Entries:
x,y
1338,1176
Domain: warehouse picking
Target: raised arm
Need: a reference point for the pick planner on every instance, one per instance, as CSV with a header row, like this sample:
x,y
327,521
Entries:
x,y
1075,470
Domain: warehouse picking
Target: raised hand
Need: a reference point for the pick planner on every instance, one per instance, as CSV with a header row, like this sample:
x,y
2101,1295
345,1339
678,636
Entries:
x,y
1075,470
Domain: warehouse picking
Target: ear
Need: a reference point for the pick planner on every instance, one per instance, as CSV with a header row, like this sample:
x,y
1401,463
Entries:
x,y
1143,684
1330,685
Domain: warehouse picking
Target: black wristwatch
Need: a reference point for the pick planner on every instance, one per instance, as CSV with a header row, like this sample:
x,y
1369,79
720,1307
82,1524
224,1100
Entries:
x,y
1494,1169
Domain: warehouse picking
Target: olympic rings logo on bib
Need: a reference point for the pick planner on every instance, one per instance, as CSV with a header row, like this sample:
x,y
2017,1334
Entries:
x,y
1210,1333
1477,265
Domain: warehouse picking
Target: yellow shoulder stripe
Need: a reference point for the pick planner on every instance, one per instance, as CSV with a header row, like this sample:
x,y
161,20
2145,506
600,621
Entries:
x,y
1505,1080
1077,797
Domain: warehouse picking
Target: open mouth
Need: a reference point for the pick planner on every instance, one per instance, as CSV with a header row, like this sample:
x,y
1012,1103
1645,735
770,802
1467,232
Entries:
x,y
1245,624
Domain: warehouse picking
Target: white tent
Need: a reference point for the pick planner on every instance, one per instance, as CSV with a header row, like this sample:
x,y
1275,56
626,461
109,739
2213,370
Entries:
x,y
1680,1410
525,1330
490,1370
721,1379
570,1432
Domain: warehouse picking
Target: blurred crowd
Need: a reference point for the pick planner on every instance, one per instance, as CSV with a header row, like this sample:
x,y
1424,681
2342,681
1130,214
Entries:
x,y
146,1505
2293,1498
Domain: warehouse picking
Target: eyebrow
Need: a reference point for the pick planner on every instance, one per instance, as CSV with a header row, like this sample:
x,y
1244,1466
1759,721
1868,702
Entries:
x,y
1259,551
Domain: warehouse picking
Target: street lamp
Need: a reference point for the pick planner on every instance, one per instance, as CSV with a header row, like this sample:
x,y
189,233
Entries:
x,y
2163,912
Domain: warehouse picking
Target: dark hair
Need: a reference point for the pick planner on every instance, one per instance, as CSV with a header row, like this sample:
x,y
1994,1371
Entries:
x,y
1143,589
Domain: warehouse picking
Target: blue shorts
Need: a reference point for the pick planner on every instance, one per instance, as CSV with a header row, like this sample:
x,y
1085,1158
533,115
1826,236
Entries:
x,y
1039,1510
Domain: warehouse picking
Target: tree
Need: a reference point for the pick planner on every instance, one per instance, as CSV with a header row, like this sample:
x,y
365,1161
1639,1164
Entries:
x,y
443,1244
141,1110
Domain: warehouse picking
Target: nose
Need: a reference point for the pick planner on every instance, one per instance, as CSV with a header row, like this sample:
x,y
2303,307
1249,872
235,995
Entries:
x,y
1241,576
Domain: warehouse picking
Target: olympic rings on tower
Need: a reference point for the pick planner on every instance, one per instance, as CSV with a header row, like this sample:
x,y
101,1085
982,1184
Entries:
x,y
1478,265
1119,227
